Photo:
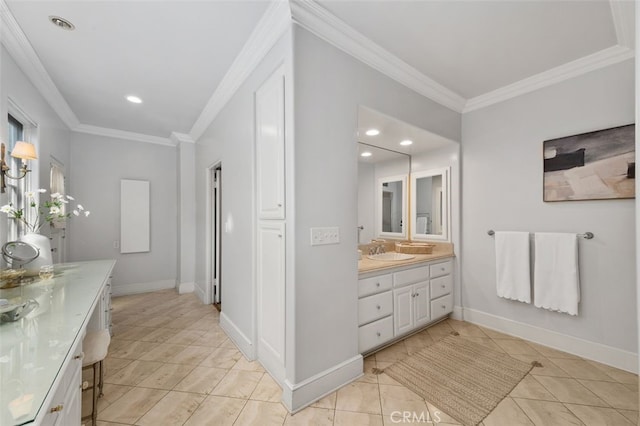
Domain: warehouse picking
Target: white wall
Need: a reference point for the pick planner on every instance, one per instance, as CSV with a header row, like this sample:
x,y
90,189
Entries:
x,y
329,87
51,136
502,190
98,165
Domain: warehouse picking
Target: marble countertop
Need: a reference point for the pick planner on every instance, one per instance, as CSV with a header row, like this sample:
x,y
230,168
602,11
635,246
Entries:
x,y
34,349
365,265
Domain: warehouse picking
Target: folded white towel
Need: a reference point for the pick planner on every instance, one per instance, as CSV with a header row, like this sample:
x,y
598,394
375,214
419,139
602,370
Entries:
x,y
513,272
556,279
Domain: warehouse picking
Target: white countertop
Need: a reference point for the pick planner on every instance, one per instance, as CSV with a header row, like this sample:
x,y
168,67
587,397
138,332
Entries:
x,y
33,349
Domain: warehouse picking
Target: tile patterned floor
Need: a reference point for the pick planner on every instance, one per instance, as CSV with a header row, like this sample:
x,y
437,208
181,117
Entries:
x,y
170,363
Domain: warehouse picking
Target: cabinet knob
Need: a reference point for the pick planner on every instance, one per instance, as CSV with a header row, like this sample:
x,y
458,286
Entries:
x,y
443,286
279,204
56,408
79,356
85,385
378,307
442,268
417,294
444,307
378,334
377,284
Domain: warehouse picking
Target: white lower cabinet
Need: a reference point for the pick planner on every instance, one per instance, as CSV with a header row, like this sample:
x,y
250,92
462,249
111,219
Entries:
x,y
66,406
397,302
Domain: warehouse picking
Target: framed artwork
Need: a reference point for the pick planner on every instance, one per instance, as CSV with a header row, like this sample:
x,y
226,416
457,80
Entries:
x,y
598,165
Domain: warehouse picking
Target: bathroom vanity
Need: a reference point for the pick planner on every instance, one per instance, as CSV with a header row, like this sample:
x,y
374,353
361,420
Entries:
x,y
41,354
396,299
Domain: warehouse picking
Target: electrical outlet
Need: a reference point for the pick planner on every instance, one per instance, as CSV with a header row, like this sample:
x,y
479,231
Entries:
x,y
322,236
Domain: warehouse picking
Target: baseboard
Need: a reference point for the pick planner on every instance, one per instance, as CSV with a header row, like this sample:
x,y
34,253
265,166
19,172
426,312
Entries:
x,y
457,313
238,337
185,288
297,396
201,294
137,288
614,357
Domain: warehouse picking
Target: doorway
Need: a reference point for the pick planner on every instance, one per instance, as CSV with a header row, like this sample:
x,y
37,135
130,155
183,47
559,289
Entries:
x,y
216,236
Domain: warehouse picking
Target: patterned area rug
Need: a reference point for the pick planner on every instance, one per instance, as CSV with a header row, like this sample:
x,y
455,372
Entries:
x,y
462,378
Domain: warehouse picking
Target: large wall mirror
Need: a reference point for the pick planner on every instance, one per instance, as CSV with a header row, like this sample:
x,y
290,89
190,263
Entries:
x,y
429,204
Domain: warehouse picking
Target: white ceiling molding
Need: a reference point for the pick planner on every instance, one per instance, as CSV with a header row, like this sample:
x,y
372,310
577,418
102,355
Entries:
x,y
623,15
122,134
18,46
270,28
601,59
327,26
178,138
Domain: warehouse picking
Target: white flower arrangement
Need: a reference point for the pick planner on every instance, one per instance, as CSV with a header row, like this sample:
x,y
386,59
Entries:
x,y
48,212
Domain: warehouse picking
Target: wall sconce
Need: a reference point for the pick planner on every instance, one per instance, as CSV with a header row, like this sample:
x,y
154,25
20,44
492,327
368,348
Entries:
x,y
24,151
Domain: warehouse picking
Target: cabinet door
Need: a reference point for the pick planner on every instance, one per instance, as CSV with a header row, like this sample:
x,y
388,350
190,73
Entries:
x,y
271,286
402,310
270,147
421,303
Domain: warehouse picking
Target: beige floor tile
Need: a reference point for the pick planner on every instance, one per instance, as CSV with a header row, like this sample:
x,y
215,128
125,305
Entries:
x,y
132,405
132,350
348,418
359,397
167,376
163,352
550,352
547,413
238,384
542,366
385,379
181,323
570,390
134,333
399,398
486,342
581,369
159,335
598,416
328,401
466,329
201,380
630,414
310,416
267,390
495,334
191,355
228,343
174,409
507,413
111,365
617,374
368,378
134,373
184,337
159,321
419,340
393,353
261,413
530,388
222,358
616,394
244,364
216,410
515,347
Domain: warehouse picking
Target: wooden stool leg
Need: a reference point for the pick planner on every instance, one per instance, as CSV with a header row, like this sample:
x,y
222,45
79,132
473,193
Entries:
x,y
94,410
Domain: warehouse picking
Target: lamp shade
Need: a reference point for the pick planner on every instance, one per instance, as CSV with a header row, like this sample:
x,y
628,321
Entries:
x,y
24,150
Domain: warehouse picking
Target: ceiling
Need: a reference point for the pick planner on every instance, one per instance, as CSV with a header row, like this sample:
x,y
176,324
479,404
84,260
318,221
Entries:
x,y
174,54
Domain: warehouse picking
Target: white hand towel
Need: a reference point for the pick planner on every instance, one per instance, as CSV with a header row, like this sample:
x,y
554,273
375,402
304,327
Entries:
x,y
513,272
421,225
556,279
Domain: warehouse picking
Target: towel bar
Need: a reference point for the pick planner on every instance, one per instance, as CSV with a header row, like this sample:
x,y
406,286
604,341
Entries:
x,y
586,235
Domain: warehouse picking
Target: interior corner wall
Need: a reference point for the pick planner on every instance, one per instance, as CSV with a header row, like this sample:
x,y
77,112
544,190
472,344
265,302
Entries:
x,y
51,136
98,165
502,181
329,87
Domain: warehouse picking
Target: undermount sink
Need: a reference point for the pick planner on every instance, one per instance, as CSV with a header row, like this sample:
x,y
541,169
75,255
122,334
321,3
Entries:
x,y
391,256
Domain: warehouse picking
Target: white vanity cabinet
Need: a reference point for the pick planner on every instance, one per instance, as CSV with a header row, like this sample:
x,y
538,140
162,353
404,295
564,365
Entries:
x,y
101,317
401,300
65,408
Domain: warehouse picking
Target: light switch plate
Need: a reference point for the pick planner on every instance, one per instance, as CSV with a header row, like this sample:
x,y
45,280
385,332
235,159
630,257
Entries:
x,y
323,236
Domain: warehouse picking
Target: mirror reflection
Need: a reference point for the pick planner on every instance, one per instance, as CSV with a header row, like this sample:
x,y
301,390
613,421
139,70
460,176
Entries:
x,y
429,205
392,206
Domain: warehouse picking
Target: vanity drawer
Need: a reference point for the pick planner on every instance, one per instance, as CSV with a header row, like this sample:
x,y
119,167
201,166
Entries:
x,y
410,276
375,334
375,307
441,286
441,306
440,269
374,285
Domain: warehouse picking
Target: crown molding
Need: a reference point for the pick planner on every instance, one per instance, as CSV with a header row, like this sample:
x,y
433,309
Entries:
x,y
272,25
601,59
122,134
327,26
18,46
623,14
178,138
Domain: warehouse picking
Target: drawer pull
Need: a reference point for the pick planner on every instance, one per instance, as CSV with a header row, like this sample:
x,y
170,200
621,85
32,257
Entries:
x,y
443,286
444,307
279,204
377,284
56,408
442,269
417,294
378,307
378,334
85,385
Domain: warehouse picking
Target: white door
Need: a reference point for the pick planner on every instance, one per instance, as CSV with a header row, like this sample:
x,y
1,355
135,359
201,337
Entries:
x,y
402,310
421,303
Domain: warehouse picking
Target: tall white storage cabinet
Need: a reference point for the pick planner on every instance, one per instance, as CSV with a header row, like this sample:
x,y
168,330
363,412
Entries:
x,y
271,226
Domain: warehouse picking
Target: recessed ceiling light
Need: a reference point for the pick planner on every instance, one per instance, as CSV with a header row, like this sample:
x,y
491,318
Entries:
x,y
372,132
406,142
61,23
134,99
366,154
